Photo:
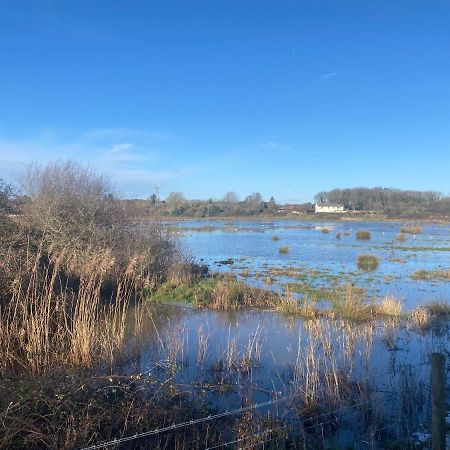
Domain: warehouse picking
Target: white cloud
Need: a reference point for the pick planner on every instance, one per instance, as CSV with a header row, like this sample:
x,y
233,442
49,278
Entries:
x,y
328,75
125,133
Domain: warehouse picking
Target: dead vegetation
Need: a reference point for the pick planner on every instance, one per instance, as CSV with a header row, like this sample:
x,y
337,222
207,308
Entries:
x,y
70,269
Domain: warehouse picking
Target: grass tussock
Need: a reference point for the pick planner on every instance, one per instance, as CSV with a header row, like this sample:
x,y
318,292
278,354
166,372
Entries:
x,y
438,308
429,275
292,306
275,238
411,229
351,303
390,306
283,249
401,237
363,235
367,263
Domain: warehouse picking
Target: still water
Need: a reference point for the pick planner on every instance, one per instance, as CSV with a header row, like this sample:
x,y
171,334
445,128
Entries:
x,y
321,258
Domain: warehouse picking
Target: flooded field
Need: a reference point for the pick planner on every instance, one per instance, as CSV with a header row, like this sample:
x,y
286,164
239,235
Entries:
x,y
324,383
317,383
325,254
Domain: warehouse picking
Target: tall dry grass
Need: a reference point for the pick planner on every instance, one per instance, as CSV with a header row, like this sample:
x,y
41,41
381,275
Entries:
x,y
70,267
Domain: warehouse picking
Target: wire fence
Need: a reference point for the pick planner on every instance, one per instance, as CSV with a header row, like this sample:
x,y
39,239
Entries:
x,y
366,404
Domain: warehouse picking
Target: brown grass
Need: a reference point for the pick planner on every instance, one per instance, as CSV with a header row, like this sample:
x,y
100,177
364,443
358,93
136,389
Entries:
x,y
363,235
411,229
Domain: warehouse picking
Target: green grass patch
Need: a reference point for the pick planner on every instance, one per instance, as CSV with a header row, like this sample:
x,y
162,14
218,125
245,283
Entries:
x,y
368,263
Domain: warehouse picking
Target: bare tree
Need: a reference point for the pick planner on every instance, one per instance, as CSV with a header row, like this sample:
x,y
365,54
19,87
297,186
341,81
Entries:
x,y
230,198
175,198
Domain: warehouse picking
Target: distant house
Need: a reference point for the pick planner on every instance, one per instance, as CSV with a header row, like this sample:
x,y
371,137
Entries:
x,y
329,208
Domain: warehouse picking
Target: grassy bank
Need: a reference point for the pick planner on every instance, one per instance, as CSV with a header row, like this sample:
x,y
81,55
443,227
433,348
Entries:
x,y
225,292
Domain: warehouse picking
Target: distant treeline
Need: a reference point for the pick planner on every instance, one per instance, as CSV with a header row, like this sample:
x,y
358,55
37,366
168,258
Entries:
x,y
176,205
389,201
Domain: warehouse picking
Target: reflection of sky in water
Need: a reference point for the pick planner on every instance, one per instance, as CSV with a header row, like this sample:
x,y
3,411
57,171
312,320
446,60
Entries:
x,y
309,248
391,359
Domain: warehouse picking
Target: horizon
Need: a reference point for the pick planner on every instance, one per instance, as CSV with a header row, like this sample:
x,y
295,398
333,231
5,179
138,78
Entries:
x,y
207,97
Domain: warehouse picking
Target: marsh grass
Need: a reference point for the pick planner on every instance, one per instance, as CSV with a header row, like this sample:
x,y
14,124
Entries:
x,y
283,249
389,306
275,238
411,229
438,308
442,275
70,271
401,237
367,263
218,292
351,303
363,235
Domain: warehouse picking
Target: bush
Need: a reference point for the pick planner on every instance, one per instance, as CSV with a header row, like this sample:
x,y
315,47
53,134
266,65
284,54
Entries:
x,y
367,263
70,270
363,235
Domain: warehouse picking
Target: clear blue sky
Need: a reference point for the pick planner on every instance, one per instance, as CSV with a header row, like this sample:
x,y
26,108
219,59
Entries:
x,y
204,96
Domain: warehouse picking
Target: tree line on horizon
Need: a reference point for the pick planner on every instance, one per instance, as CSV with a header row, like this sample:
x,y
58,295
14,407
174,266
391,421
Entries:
x,y
389,201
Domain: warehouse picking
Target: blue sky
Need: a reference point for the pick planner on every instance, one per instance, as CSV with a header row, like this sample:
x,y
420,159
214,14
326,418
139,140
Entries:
x,y
204,96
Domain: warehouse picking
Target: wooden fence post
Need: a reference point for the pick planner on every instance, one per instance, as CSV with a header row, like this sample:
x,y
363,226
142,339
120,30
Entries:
x,y
438,401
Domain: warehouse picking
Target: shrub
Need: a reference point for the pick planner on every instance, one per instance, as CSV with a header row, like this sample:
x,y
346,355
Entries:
x,y
283,249
363,235
70,270
368,263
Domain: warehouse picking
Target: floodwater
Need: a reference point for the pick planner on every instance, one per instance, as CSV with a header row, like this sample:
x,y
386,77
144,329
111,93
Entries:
x,y
321,258
338,382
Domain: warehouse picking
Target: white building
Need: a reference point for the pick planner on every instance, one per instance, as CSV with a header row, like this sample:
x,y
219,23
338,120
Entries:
x,y
329,208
